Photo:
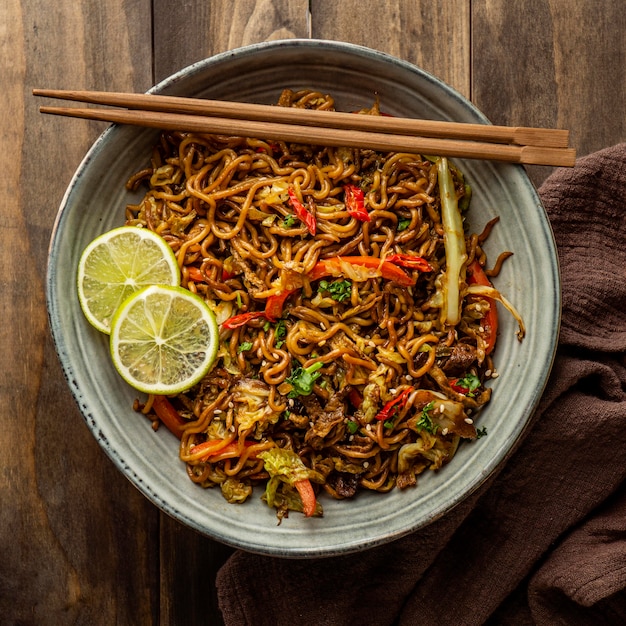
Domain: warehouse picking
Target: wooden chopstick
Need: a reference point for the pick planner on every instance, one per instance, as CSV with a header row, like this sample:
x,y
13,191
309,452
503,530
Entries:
x,y
480,141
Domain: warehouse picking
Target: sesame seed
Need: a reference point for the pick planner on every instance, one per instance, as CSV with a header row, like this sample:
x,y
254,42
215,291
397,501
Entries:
x,y
441,408
366,464
263,363
217,412
290,402
495,375
232,428
408,378
322,342
481,329
231,405
444,432
368,427
311,424
392,391
488,373
469,420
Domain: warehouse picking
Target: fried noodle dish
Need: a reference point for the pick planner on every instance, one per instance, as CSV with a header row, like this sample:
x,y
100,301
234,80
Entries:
x,y
357,316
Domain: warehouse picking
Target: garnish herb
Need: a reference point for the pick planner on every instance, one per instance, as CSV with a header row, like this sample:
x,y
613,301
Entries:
x,y
239,302
339,290
280,332
466,385
481,432
289,220
352,426
244,347
303,379
403,224
425,421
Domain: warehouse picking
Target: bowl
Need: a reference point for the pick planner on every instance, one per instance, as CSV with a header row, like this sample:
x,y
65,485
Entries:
x,y
95,201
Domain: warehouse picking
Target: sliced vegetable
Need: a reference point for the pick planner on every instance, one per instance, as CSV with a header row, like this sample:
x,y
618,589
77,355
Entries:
x,y
489,322
241,319
411,261
170,417
355,202
223,448
302,213
454,243
286,466
307,495
360,268
274,304
392,407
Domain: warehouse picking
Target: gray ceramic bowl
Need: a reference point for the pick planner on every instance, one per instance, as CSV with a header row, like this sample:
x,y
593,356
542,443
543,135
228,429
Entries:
x,y
95,202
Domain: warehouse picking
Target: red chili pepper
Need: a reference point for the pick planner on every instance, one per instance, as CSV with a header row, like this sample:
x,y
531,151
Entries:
x,y
458,388
411,261
307,495
274,304
476,276
241,320
375,266
301,212
168,415
355,203
397,404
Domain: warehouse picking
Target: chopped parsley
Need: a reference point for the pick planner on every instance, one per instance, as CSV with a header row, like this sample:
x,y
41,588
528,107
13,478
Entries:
x,y
425,421
352,426
289,220
339,290
469,382
303,379
481,432
280,331
244,347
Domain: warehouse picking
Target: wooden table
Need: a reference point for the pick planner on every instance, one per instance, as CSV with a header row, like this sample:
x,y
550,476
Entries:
x,y
78,543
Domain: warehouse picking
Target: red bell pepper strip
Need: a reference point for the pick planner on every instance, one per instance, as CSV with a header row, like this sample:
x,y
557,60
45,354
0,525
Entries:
x,y
355,203
195,274
241,320
411,261
168,415
307,495
391,407
307,218
477,276
274,304
375,266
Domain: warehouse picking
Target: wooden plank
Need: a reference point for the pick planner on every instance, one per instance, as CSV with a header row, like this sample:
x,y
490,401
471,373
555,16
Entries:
x,y
75,536
565,67
191,31
432,35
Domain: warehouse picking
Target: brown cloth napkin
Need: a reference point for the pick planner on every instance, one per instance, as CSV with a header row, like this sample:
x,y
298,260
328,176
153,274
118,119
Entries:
x,y
544,542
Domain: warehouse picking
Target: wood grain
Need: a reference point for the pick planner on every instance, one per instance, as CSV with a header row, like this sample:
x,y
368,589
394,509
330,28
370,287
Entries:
x,y
78,543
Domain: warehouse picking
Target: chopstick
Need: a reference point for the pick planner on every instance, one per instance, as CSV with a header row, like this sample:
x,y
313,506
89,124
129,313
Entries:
x,y
526,145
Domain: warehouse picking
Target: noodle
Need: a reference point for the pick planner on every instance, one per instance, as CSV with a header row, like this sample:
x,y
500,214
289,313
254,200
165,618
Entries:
x,y
329,348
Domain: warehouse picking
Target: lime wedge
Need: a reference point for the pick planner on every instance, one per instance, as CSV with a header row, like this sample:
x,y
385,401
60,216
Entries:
x,y
117,264
163,339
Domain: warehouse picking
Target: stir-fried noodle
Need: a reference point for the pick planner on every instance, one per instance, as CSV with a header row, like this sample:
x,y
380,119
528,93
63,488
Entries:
x,y
356,325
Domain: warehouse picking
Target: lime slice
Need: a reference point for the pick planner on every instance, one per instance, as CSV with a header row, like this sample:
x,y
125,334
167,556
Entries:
x,y
163,339
117,264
